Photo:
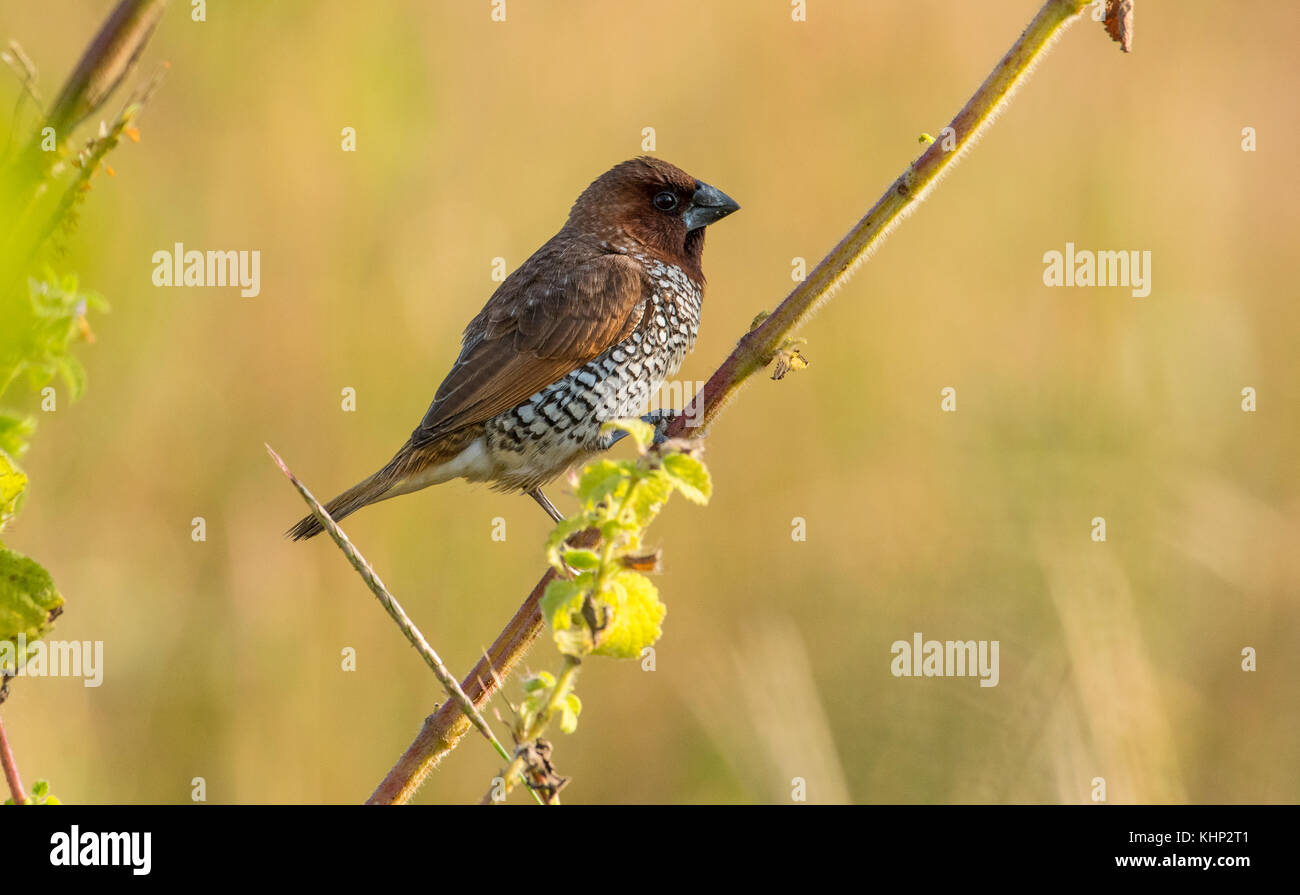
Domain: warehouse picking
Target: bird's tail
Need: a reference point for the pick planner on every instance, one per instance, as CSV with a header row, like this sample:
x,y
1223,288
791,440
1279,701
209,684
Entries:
x,y
372,490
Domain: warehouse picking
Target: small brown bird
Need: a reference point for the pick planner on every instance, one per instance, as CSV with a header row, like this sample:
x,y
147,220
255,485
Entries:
x,y
585,331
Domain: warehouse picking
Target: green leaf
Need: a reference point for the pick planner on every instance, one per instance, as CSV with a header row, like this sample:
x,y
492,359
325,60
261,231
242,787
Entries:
x,y
40,789
612,528
582,560
648,498
689,476
73,373
642,432
637,616
542,680
537,693
28,605
574,641
14,432
602,478
39,374
555,540
40,329
13,482
562,596
570,708
562,607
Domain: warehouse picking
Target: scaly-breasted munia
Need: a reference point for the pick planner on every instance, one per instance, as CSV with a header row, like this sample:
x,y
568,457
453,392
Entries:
x,y
585,331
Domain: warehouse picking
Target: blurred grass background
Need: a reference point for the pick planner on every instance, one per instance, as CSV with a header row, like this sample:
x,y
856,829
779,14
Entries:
x,y
1119,660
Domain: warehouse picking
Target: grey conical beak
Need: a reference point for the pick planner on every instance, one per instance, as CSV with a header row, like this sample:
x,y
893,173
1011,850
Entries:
x,y
708,204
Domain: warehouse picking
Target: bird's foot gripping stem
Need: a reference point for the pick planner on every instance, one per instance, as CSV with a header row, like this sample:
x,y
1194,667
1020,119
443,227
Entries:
x,y
658,418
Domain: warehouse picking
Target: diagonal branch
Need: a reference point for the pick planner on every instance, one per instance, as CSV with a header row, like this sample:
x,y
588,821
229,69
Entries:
x,y
443,730
459,701
757,347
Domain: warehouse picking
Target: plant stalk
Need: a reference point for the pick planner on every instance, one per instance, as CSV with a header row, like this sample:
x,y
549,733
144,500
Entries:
x,y
11,769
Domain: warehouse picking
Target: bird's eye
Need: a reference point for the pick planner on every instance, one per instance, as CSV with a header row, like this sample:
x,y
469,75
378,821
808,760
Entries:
x,y
665,201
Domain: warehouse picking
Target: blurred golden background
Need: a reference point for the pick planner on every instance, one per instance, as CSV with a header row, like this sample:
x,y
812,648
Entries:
x,y
1119,660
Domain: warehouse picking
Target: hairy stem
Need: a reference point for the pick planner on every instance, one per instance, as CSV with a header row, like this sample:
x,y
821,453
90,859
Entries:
x,y
756,348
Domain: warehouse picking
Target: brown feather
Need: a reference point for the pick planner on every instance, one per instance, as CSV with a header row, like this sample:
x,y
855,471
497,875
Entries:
x,y
387,482
545,321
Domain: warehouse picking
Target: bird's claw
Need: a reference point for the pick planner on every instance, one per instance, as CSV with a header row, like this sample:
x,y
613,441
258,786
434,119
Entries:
x,y
659,419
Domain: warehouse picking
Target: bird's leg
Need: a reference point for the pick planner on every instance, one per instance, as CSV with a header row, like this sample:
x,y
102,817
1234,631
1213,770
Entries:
x,y
545,503
658,418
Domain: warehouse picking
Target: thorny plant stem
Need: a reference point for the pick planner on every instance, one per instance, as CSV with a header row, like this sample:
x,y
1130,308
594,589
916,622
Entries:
x,y
443,730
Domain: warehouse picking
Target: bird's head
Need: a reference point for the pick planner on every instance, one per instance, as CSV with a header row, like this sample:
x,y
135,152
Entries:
x,y
648,204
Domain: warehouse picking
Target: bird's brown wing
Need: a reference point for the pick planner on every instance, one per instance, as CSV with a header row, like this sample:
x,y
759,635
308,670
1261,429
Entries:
x,y
549,318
